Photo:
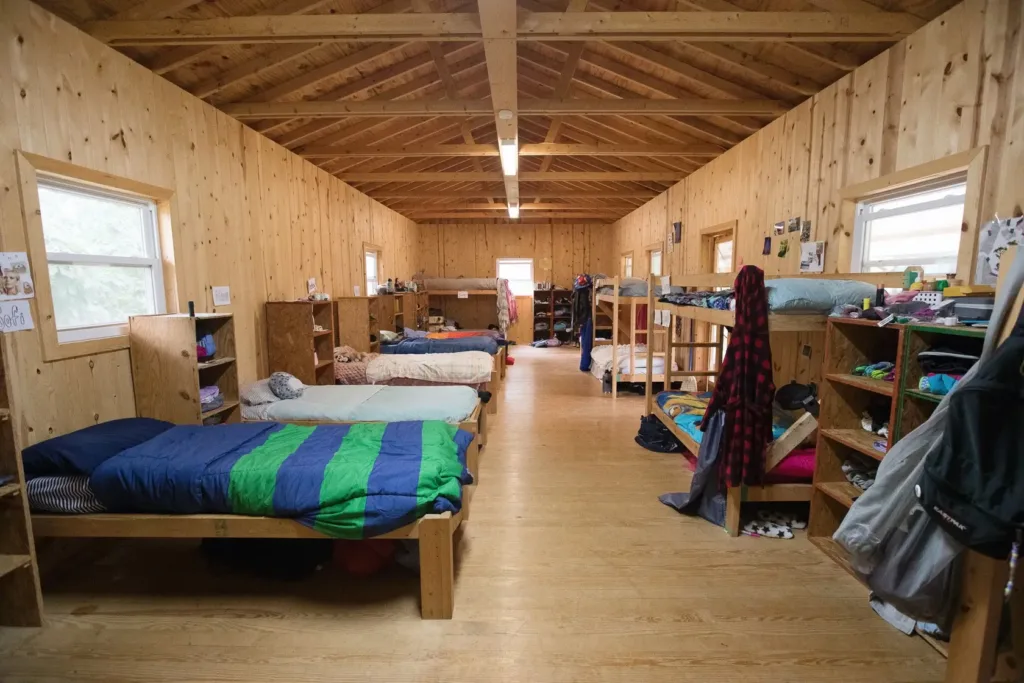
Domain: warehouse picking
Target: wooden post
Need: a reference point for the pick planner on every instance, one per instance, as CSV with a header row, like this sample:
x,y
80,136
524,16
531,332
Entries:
x,y
615,338
649,383
670,351
972,644
437,573
733,502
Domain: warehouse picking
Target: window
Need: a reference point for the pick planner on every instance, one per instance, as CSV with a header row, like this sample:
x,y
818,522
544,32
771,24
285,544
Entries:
x,y
103,258
916,226
372,266
519,273
723,255
627,264
655,259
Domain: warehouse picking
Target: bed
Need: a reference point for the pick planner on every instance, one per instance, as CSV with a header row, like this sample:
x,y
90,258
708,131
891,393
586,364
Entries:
x,y
467,292
629,365
353,481
423,345
474,369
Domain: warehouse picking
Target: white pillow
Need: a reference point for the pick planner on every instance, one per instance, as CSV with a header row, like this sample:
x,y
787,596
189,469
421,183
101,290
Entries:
x,y
258,393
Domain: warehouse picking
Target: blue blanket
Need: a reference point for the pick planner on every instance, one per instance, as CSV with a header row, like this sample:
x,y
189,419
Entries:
x,y
419,346
346,481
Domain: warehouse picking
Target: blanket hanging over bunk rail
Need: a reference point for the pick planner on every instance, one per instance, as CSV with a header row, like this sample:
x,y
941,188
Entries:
x,y
744,390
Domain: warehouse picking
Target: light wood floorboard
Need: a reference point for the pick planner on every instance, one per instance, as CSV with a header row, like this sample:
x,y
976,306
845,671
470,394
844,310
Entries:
x,y
570,570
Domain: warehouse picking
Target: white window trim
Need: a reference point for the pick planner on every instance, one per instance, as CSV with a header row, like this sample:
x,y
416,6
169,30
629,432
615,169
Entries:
x,y
863,217
376,275
151,241
517,260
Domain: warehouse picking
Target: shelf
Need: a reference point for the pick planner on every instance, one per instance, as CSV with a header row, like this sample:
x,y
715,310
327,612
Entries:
x,y
215,362
842,492
9,489
877,386
228,405
924,396
835,552
8,563
324,363
321,333
859,440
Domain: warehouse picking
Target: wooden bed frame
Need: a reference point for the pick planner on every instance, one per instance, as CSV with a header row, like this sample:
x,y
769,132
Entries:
x,y
435,533
795,435
615,305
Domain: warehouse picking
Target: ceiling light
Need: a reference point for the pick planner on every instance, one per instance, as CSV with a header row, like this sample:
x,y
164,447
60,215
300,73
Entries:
x,y
505,114
513,211
508,150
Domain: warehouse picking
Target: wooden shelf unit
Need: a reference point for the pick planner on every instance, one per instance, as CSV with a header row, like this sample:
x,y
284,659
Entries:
x,y
844,396
21,601
167,374
545,305
292,344
358,321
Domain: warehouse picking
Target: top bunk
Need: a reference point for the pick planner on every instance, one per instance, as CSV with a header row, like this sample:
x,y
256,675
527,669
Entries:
x,y
796,303
619,290
461,286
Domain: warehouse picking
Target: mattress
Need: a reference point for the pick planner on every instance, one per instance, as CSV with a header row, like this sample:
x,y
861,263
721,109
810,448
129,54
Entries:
x,y
370,403
467,367
460,283
601,357
421,346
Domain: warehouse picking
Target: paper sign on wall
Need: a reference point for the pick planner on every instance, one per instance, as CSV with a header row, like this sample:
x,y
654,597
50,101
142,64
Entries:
x,y
812,257
16,282
221,296
15,316
311,285
665,283
463,295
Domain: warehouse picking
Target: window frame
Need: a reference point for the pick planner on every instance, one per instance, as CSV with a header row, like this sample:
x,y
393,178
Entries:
x,y
622,264
31,167
864,217
151,240
970,163
379,257
517,259
650,250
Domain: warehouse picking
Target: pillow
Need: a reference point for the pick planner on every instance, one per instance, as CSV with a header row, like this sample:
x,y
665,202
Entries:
x,y
387,336
286,386
811,295
258,394
83,451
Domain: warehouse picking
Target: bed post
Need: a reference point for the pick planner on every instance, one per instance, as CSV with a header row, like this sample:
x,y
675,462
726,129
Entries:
x,y
733,501
437,572
649,384
615,338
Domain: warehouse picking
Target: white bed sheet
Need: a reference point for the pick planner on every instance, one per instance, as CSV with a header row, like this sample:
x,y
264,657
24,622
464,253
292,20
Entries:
x,y
601,360
370,403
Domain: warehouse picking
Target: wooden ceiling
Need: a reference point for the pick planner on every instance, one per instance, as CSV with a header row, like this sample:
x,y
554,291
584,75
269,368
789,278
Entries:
x,y
612,102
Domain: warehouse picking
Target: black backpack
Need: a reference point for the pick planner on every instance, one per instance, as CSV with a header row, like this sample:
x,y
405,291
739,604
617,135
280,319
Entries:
x,y
654,436
973,484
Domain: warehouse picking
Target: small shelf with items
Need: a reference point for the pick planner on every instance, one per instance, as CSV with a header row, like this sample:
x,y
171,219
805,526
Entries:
x,y
357,320
182,364
552,311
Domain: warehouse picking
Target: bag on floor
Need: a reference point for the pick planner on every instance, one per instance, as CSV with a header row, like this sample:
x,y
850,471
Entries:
x,y
654,436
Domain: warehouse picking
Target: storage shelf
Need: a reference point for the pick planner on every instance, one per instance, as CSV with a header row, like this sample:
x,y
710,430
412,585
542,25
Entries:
x,y
215,362
322,333
228,405
9,563
835,552
859,440
9,489
842,492
324,363
878,386
924,396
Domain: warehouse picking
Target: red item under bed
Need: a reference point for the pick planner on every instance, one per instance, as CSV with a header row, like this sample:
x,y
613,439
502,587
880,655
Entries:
x,y
795,468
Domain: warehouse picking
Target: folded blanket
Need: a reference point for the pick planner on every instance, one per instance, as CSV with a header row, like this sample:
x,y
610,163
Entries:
x,y
466,367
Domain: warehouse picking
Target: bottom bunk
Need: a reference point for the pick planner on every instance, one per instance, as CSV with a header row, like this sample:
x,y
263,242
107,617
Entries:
x,y
146,478
788,472
601,362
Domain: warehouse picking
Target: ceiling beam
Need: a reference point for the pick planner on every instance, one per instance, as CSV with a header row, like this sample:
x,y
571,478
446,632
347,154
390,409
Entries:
x,y
606,215
477,194
533,107
645,26
544,149
498,23
526,177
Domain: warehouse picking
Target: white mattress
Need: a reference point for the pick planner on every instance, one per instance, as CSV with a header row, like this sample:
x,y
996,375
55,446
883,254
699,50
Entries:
x,y
464,367
460,283
366,403
601,357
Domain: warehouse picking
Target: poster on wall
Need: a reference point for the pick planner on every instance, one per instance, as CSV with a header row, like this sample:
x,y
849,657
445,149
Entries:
x,y
779,228
993,239
15,316
16,282
812,257
677,232
805,231
793,224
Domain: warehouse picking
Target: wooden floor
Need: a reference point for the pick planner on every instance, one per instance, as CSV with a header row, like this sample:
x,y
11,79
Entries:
x,y
570,570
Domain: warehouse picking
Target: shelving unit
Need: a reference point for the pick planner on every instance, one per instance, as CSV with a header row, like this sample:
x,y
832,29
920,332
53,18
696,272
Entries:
x,y
552,306
357,321
294,346
21,601
844,397
405,302
167,374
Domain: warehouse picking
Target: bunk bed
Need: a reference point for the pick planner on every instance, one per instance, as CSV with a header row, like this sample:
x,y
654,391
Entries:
x,y
627,354
435,531
448,293
662,316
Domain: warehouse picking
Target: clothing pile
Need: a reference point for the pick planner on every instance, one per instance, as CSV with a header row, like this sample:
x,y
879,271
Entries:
x,y
508,313
582,325
884,370
545,343
655,436
205,347
858,474
721,301
941,369
210,398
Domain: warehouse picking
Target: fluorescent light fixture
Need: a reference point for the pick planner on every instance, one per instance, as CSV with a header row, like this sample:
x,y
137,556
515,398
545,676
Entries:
x,y
513,210
508,150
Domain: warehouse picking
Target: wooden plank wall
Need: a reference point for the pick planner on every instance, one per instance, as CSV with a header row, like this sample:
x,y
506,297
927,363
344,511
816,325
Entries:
x,y
248,213
954,85
559,251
